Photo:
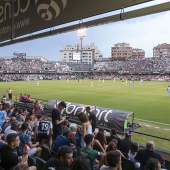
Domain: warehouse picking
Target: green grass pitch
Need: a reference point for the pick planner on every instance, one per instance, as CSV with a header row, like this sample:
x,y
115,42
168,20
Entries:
x,y
147,101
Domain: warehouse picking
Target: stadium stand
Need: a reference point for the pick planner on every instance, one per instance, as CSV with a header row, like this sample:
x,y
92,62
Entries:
x,y
156,69
23,105
45,154
79,67
15,69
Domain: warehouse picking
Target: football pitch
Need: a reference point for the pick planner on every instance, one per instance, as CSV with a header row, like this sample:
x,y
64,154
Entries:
x,y
148,101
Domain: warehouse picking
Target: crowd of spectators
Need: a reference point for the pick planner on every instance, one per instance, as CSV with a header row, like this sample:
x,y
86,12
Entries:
x,y
32,65
131,65
27,77
94,75
135,65
25,134
79,67
138,68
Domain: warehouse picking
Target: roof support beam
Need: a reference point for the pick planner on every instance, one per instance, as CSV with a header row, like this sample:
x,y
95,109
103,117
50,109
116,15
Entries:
x,y
114,18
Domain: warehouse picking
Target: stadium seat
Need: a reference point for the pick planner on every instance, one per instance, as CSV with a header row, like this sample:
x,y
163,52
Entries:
x,y
31,161
40,163
45,154
54,154
167,164
23,106
127,164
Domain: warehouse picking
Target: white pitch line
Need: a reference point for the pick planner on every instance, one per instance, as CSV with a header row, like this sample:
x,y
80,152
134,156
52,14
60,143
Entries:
x,y
148,125
166,129
152,122
157,127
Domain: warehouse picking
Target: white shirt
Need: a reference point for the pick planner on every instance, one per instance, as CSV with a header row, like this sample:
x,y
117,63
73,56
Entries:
x,y
8,131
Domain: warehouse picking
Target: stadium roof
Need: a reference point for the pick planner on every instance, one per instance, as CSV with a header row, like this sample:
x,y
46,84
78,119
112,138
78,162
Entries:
x,y
23,20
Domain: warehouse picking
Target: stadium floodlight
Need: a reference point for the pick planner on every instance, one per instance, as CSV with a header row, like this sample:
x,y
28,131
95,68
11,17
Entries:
x,y
82,32
81,35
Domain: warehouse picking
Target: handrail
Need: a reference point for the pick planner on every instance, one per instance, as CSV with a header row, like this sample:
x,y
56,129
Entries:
x,y
145,134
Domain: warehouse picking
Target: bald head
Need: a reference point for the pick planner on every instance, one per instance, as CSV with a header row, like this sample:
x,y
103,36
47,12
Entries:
x,y
150,145
13,119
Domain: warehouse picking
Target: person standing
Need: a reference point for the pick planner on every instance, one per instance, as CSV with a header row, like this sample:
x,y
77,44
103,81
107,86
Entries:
x,y
38,83
10,93
57,121
91,82
92,118
168,91
43,131
125,144
3,115
37,108
113,135
86,127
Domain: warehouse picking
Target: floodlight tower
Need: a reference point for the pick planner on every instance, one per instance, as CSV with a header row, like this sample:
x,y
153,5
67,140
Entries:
x,y
81,35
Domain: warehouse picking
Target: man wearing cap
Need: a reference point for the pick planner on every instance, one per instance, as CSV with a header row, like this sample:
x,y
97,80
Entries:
x,y
125,144
57,121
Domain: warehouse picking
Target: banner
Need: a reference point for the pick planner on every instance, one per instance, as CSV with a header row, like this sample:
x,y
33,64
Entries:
x,y
34,15
106,118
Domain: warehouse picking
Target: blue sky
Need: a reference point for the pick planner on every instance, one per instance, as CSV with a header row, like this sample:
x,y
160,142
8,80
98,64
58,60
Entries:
x,y
144,32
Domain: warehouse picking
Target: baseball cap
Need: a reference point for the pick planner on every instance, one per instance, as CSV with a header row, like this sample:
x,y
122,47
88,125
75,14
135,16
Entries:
x,y
128,134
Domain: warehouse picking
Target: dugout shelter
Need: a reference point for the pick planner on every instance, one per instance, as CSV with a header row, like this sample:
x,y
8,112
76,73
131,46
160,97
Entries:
x,y
107,118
